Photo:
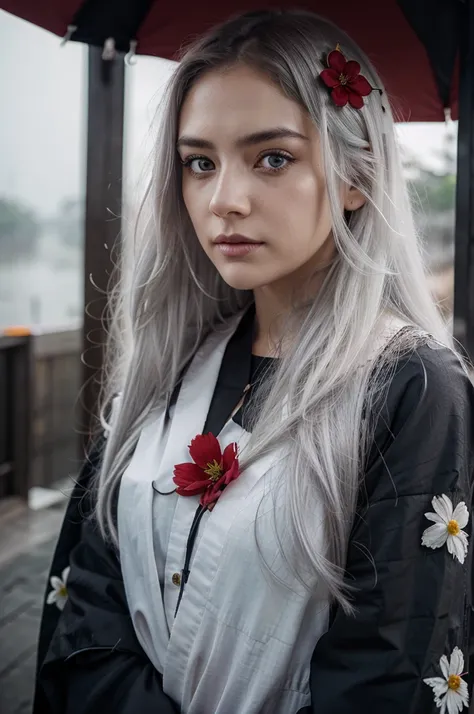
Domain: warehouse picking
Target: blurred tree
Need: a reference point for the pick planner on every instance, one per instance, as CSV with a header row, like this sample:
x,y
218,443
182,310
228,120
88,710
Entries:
x,y
19,230
69,222
434,190
433,193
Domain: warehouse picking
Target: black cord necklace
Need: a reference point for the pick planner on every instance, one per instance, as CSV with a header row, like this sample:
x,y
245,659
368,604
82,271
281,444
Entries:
x,y
235,378
200,511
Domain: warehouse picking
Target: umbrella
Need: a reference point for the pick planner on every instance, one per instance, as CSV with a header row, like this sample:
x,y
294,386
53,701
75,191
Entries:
x,y
423,50
413,43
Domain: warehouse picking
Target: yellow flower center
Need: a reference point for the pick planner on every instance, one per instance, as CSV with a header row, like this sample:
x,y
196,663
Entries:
x,y
343,79
454,682
214,471
453,528
62,591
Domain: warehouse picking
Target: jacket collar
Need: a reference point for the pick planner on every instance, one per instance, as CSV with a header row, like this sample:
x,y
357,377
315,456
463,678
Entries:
x,y
234,374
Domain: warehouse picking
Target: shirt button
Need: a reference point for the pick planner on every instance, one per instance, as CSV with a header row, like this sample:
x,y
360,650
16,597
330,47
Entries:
x,y
176,579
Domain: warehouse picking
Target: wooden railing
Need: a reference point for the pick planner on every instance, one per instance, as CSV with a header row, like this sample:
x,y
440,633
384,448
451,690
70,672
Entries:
x,y
57,373
40,377
15,415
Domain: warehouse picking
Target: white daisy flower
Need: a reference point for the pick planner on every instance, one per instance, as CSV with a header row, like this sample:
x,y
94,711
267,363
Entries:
x,y
450,691
448,527
58,595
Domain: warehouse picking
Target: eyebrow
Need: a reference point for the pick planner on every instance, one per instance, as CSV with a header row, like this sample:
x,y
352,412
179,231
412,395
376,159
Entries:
x,y
257,137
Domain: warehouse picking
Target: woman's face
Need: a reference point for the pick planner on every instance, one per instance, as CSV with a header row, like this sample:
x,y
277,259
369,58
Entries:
x,y
253,172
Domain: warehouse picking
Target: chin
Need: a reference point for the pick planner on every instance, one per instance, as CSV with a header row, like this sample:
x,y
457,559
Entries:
x,y
242,278
240,284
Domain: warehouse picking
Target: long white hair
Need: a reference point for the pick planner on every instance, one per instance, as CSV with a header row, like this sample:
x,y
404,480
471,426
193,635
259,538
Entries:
x,y
326,377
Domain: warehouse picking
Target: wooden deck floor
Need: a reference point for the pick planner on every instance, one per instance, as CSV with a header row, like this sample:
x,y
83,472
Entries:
x,y
27,541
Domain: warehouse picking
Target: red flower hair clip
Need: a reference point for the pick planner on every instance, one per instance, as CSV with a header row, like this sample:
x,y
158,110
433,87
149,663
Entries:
x,y
345,80
211,471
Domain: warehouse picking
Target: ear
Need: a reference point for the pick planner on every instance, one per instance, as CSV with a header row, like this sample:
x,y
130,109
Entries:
x,y
353,199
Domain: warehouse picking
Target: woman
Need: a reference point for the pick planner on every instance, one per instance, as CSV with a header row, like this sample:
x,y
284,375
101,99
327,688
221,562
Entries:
x,y
315,557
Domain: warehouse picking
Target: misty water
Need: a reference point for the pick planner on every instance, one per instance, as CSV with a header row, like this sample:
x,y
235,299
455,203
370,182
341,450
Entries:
x,y
43,290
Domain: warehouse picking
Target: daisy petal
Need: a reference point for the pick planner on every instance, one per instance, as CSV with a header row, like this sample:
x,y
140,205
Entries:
x,y
461,515
56,582
457,547
447,704
463,691
453,702
438,685
61,602
434,517
435,536
464,538
448,502
444,666
51,599
443,507
65,574
456,662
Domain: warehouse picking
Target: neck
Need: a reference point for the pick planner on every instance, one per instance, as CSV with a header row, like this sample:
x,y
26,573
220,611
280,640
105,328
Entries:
x,y
270,312
275,302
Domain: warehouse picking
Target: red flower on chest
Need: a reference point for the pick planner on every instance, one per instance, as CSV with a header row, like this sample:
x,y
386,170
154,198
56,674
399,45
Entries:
x,y
211,471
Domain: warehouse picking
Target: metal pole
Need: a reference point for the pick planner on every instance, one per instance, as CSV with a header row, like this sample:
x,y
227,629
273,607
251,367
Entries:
x,y
103,217
463,324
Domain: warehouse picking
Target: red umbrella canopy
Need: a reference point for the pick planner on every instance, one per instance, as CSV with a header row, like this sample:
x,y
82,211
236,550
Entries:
x,y
413,45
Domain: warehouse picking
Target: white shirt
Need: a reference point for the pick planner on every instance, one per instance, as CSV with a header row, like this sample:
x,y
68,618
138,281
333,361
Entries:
x,y
241,642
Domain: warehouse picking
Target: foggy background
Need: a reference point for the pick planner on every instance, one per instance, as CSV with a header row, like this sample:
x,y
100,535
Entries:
x,y
43,90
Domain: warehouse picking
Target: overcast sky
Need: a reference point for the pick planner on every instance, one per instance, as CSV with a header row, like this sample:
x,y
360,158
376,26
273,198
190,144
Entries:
x,y
42,116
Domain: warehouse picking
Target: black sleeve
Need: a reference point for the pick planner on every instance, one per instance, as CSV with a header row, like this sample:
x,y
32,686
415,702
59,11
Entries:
x,y
412,604
92,662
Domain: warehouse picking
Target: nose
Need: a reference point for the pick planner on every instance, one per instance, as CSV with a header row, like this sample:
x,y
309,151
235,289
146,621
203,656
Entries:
x,y
230,195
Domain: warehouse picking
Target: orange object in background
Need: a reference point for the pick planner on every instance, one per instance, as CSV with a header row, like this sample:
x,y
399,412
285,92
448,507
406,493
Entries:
x,y
17,331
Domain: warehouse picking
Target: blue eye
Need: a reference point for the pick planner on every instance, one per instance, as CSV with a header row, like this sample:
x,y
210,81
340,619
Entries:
x,y
198,164
275,161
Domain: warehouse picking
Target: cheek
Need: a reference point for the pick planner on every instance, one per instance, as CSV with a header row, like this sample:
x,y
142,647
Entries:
x,y
189,198
303,212
196,206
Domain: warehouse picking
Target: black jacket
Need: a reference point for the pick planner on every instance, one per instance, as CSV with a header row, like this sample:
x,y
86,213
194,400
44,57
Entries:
x,y
412,604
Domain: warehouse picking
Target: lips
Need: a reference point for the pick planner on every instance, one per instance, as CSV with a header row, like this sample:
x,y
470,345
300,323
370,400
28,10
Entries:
x,y
236,246
235,238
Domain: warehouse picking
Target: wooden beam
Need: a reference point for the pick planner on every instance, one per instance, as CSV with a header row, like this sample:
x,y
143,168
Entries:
x,y
16,387
103,217
464,237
